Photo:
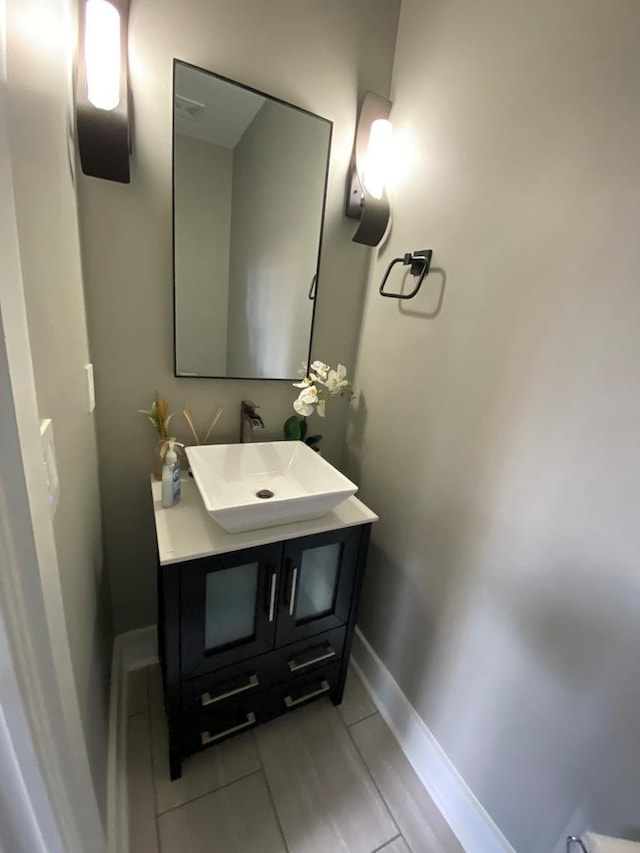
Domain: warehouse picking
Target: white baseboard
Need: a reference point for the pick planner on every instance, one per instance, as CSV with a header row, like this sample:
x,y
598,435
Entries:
x,y
470,823
131,650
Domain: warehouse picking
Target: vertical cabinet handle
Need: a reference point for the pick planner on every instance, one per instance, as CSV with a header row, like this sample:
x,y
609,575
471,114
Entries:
x,y
272,597
292,597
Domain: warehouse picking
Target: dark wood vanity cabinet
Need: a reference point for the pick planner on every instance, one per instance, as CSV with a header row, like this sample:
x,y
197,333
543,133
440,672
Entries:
x,y
251,634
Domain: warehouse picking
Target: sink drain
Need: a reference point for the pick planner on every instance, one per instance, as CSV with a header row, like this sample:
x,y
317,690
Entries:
x,y
264,494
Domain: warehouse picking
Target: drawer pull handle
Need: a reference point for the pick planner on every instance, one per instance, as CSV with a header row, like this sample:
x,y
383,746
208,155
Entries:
x,y
294,666
206,738
294,584
324,688
272,598
209,700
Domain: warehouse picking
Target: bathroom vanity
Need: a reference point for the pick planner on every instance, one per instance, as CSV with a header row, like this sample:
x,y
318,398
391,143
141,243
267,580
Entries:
x,y
256,624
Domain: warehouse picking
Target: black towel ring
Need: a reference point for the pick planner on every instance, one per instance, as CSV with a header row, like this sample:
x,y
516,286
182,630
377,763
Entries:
x,y
420,262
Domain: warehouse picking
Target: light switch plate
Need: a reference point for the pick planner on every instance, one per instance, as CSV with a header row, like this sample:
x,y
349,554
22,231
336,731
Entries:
x,y
50,465
91,391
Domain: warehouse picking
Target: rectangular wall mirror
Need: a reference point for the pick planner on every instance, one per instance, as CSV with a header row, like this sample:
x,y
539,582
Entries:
x,y
249,188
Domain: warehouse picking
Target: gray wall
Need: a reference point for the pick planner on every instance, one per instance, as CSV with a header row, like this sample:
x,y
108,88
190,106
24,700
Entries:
x,y
322,57
279,169
499,441
203,175
38,71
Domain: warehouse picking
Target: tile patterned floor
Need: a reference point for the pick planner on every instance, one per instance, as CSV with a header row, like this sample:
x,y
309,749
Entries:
x,y
320,780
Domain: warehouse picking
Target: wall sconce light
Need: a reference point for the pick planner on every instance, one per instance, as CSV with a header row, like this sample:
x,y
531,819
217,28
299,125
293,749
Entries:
x,y
366,197
102,90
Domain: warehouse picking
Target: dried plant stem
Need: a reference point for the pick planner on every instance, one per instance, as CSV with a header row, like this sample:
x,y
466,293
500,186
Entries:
x,y
189,419
163,416
217,417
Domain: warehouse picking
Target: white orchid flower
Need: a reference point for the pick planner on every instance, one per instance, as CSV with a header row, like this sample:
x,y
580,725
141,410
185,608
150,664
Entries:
x,y
303,384
309,395
301,408
321,369
337,378
318,383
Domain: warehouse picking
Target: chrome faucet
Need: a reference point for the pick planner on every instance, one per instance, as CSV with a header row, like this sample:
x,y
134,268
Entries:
x,y
249,420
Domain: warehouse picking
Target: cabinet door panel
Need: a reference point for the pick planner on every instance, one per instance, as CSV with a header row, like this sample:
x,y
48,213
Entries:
x,y
230,611
228,608
316,590
317,581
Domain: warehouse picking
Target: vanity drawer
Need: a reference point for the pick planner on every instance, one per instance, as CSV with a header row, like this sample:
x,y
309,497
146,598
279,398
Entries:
x,y
219,688
214,726
252,675
308,655
299,691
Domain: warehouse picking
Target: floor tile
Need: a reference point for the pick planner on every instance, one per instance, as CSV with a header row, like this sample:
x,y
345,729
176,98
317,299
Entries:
x,y
236,819
143,836
324,796
202,773
398,845
137,691
418,819
356,704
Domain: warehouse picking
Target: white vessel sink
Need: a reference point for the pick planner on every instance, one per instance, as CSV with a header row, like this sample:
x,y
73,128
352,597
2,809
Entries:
x,y
299,483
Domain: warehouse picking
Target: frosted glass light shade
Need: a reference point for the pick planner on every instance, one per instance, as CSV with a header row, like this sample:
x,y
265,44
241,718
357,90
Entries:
x,y
102,54
378,157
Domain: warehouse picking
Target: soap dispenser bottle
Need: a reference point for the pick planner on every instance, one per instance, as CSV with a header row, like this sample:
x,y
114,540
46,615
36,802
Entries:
x,y
170,475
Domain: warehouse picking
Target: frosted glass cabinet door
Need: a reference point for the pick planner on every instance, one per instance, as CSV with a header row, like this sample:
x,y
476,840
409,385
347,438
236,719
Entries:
x,y
317,583
228,608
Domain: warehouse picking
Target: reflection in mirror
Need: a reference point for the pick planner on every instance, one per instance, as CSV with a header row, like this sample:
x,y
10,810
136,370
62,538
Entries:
x,y
249,184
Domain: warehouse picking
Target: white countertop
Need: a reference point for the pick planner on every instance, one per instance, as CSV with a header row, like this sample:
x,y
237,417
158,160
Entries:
x,y
186,532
